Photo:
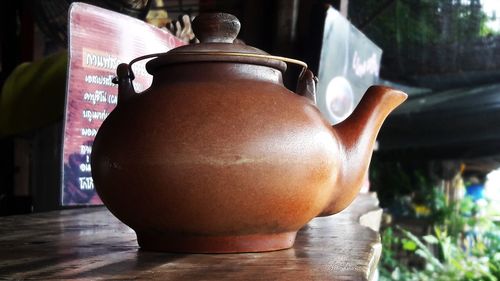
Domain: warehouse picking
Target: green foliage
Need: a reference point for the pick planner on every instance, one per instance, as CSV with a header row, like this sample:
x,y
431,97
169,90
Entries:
x,y
421,37
389,261
395,183
451,253
456,217
456,263
409,245
421,22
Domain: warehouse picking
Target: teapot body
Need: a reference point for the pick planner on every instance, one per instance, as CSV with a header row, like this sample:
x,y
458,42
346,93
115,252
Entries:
x,y
215,157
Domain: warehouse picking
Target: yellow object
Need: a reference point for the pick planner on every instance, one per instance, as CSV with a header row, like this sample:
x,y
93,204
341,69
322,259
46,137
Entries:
x,y
421,210
33,95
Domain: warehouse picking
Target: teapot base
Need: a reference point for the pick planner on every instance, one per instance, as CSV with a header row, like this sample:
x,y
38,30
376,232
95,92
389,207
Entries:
x,y
179,243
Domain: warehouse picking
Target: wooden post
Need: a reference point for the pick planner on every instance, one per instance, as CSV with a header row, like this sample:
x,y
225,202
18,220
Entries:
x,y
344,8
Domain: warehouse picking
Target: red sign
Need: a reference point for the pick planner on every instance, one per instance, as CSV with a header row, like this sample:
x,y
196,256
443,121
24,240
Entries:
x,y
99,40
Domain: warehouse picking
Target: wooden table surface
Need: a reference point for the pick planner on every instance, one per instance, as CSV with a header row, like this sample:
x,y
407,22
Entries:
x,y
91,244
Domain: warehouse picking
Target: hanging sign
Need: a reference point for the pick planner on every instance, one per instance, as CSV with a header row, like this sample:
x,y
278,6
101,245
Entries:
x,y
99,40
349,64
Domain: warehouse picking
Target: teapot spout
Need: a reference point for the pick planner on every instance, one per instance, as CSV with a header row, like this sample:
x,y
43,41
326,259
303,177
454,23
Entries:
x,y
357,135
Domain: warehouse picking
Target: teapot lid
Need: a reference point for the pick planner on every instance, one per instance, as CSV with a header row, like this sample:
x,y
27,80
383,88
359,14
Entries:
x,y
217,33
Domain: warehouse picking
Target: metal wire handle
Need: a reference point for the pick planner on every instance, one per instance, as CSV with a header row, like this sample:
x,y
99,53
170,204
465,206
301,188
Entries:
x,y
232,54
262,56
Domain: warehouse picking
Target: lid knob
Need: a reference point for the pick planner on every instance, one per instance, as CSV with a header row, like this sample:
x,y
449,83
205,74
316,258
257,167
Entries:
x,y
216,28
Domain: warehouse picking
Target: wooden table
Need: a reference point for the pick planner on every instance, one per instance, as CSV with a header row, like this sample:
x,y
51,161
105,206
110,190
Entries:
x,y
91,244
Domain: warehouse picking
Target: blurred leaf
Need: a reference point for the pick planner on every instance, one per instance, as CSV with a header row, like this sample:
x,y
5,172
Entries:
x,y
409,245
431,239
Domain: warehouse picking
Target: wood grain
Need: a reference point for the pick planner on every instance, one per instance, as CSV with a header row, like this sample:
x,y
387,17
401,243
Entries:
x,y
91,244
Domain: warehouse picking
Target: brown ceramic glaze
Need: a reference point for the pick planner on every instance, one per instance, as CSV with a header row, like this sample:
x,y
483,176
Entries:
x,y
218,156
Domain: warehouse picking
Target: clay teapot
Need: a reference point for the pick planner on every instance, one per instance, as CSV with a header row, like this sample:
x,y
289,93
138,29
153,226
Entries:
x,y
218,156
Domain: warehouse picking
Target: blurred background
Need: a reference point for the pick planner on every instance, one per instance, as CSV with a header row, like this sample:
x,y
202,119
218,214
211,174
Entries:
x,y
436,166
